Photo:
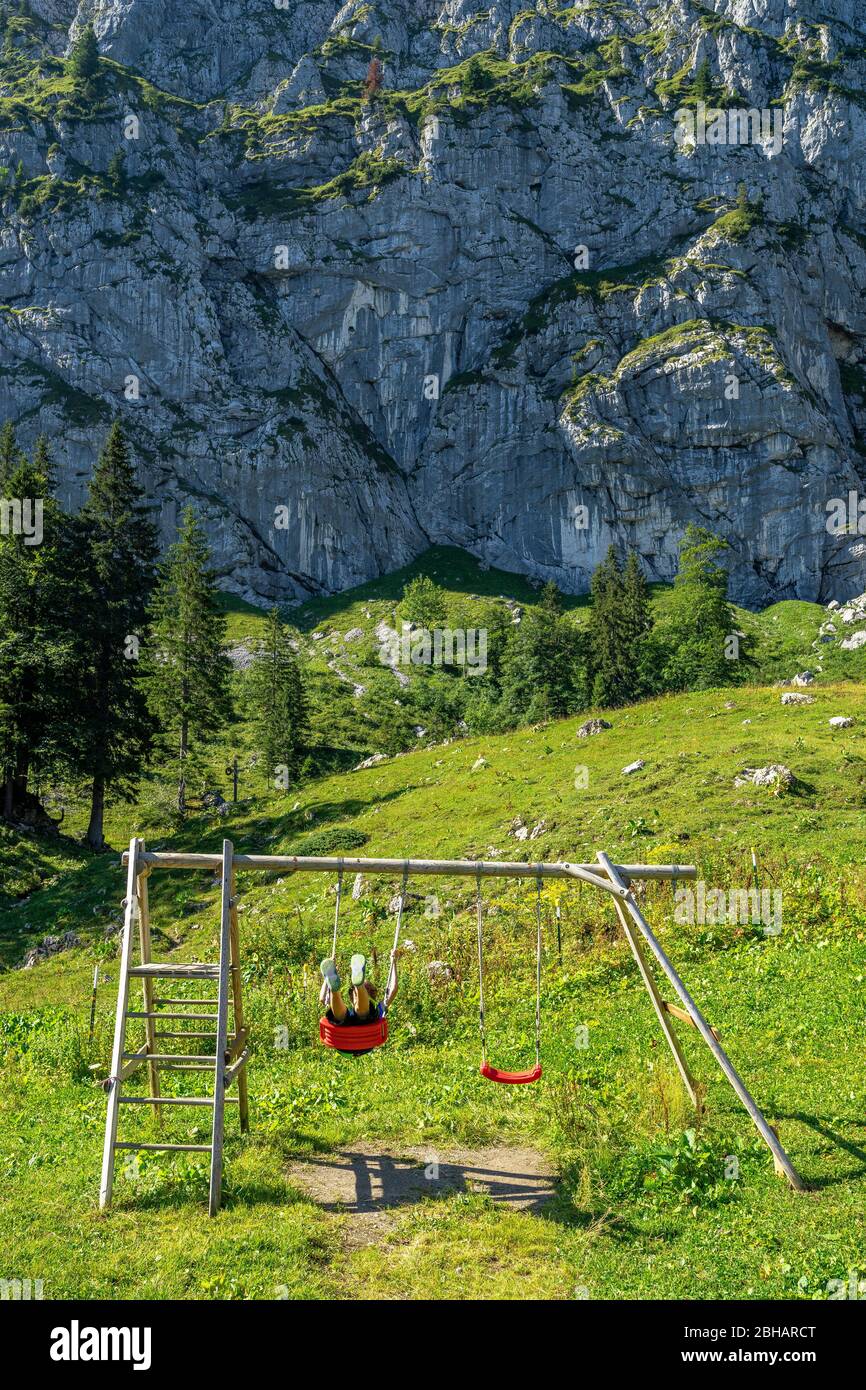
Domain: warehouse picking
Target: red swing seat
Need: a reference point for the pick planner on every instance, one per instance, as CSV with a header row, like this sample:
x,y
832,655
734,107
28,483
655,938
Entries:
x,y
510,1078
348,1037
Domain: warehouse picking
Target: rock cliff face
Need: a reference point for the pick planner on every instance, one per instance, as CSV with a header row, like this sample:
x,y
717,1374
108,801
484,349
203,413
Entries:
x,y
509,301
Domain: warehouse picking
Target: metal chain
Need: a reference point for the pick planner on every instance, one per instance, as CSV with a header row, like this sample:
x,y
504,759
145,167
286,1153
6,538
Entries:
x,y
396,935
538,971
337,910
479,908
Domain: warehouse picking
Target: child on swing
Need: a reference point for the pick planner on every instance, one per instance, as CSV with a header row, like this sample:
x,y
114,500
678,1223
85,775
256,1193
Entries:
x,y
363,1008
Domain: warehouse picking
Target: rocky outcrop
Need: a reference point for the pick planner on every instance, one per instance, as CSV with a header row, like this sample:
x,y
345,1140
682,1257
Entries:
x,y
500,305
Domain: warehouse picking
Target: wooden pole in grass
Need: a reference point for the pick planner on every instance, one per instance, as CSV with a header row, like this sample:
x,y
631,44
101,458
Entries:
x,y
770,1138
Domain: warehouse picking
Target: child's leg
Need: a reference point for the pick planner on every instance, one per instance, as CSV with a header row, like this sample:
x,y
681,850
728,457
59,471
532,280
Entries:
x,y
339,1009
360,997
338,1006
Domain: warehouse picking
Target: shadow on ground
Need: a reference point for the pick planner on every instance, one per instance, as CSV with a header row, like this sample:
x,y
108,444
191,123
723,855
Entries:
x,y
364,1180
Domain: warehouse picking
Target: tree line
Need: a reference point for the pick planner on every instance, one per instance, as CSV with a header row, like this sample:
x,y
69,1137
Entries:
x,y
549,666
109,656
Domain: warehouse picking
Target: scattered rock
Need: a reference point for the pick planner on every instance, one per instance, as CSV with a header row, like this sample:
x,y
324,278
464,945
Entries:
x,y
539,829
372,761
357,887
593,726
855,641
479,763
804,678
793,699
49,946
353,634
842,721
215,801
241,656
775,775
729,704
633,767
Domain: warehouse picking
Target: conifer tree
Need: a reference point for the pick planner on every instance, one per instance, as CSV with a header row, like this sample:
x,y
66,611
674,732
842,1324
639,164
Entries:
x,y
119,550
187,666
279,706
10,455
37,639
84,55
606,633
619,624
697,641
544,664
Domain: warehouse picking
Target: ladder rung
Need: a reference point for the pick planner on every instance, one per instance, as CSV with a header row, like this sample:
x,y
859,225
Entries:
x,y
164,1100
172,1148
207,1018
163,970
186,1001
185,1066
173,1057
158,1033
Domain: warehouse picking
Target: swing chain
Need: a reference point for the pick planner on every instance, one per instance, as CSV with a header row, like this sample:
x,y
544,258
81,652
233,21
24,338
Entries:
x,y
538,970
337,910
400,907
479,910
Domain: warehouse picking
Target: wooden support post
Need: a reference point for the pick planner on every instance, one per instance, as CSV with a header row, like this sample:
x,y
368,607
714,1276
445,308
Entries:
x,y
147,985
113,1108
238,1007
782,1161
652,989
216,1158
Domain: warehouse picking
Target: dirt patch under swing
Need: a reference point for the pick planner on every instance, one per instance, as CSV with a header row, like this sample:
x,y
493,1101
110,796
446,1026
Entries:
x,y
373,1182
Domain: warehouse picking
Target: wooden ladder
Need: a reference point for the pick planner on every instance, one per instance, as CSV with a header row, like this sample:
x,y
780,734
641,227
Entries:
x,y
227,1064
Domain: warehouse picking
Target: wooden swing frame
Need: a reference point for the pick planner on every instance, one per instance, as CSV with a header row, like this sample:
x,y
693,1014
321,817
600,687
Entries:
x,y
612,879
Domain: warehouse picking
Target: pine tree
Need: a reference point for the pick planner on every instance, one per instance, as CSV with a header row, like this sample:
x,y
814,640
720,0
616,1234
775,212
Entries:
x,y
702,87
84,55
10,455
607,634
697,638
544,664
37,638
187,667
119,545
637,625
279,706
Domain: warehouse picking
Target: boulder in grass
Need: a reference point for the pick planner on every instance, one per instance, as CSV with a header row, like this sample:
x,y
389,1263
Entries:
x,y
854,642
479,763
49,946
803,678
633,767
593,726
842,721
792,698
775,776
372,761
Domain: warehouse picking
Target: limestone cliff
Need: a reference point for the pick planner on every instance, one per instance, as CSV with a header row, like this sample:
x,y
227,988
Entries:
x,y
500,303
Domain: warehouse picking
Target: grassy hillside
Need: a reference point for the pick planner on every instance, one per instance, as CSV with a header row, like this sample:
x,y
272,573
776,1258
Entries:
x,y
643,1206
